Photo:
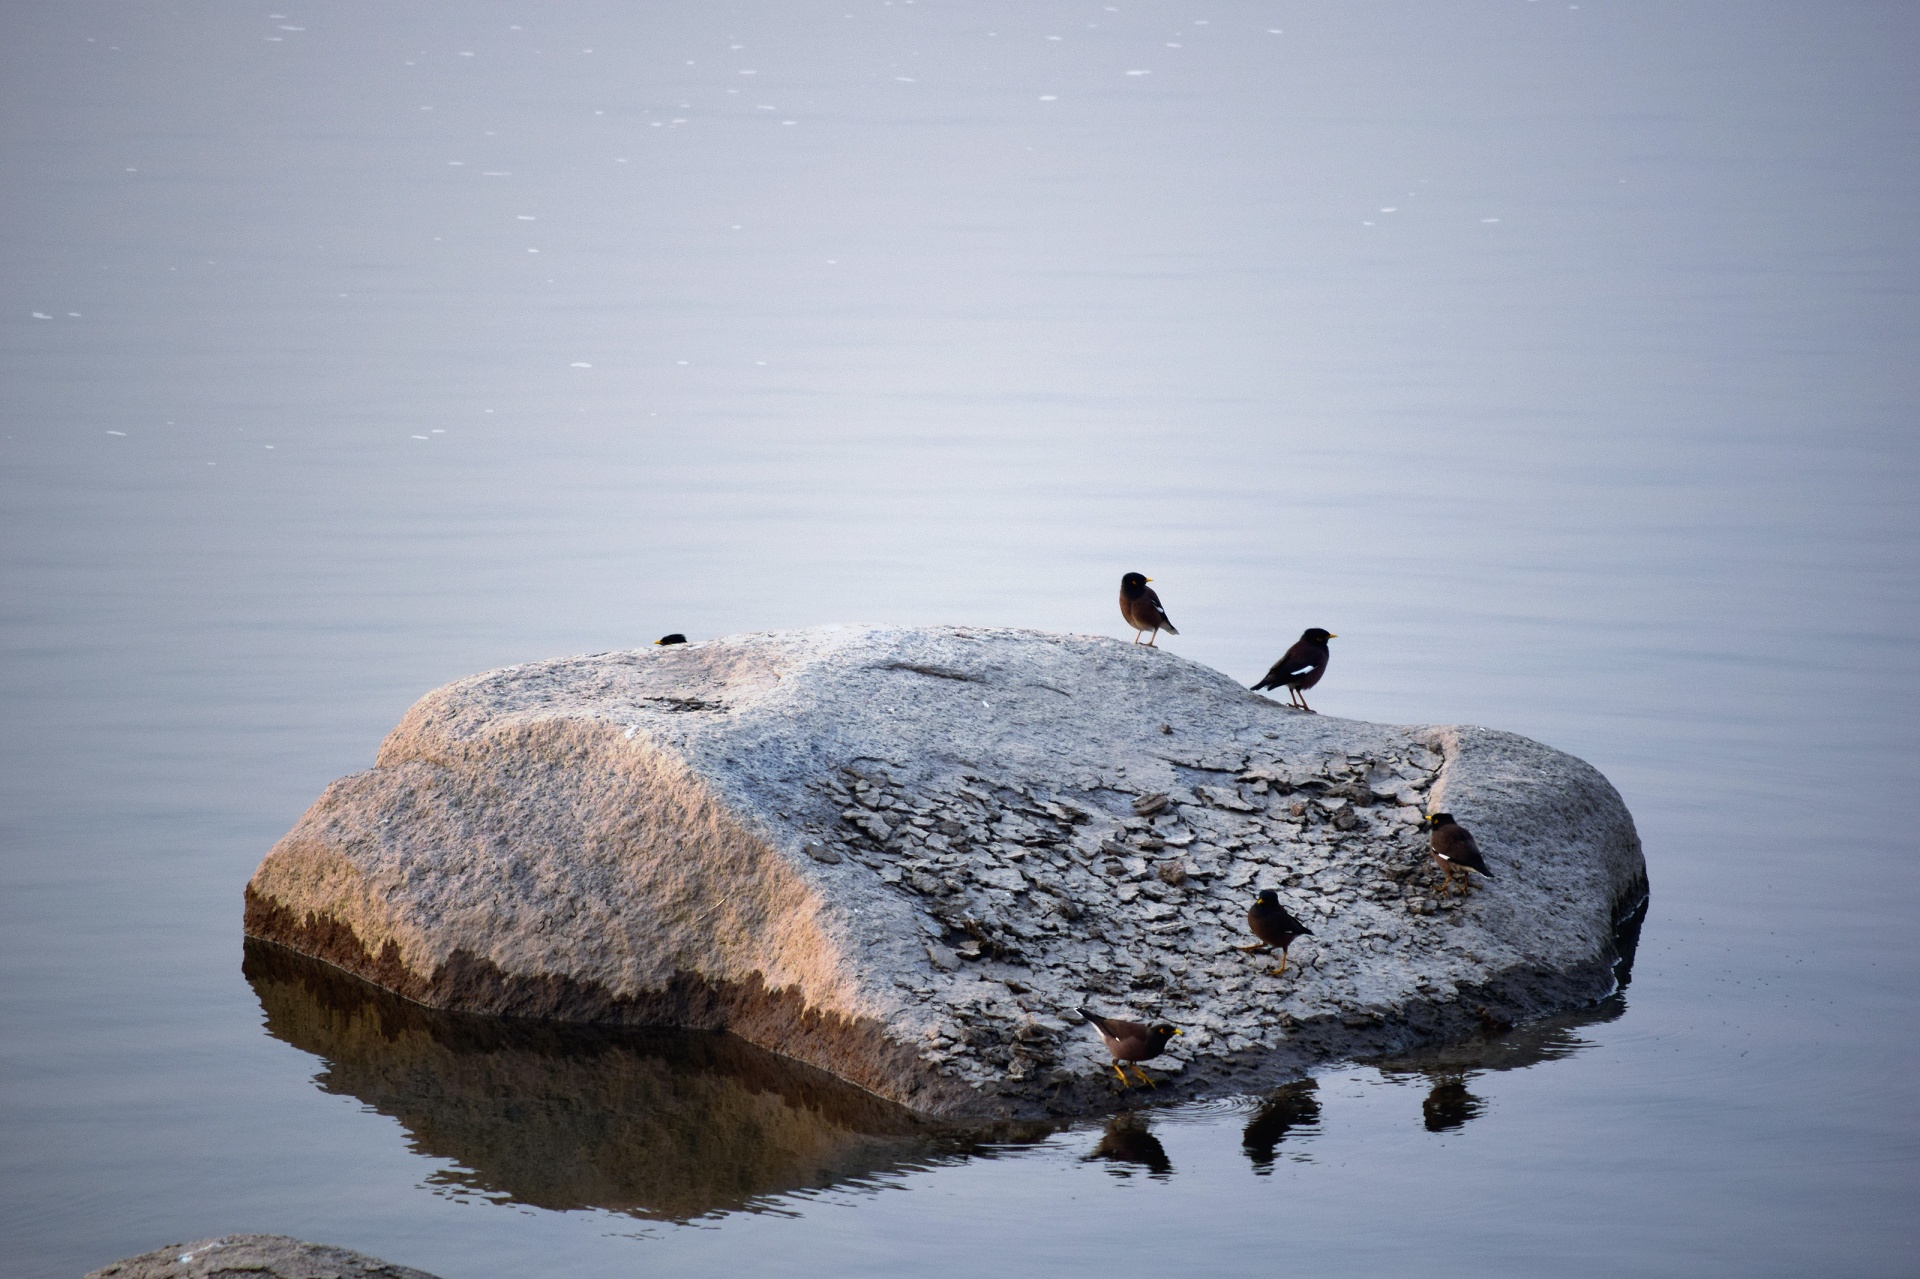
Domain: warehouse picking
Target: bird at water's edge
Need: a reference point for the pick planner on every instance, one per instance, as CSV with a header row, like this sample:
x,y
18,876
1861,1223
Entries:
x,y
1275,926
1131,1042
1301,668
1454,848
1140,606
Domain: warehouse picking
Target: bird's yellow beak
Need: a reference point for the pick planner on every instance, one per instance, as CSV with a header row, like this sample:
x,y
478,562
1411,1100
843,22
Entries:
x,y
1178,1031
1333,636
1149,579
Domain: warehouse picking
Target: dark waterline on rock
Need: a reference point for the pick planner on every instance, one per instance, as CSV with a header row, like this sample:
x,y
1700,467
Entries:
x,y
1558,359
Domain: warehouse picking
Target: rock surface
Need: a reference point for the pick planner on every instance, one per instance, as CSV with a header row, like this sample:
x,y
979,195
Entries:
x,y
265,1256
907,856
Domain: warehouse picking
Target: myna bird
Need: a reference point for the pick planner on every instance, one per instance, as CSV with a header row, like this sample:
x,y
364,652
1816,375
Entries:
x,y
1141,607
1275,926
1453,847
1301,668
675,638
1131,1042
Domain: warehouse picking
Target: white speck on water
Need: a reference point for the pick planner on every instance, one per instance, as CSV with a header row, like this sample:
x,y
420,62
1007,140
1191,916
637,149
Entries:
x,y
456,163
495,173
466,53
526,217
1172,45
749,73
74,314
1140,72
578,364
906,79
1489,219
286,28
416,437
1369,224
533,250
123,433
1391,208
680,361
266,446
1049,97
789,122
41,315
1275,31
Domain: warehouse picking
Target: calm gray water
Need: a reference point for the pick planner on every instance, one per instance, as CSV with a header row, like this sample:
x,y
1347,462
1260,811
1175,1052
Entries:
x,y
1559,357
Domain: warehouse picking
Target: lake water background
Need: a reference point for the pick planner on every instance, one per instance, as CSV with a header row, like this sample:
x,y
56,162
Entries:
x,y
1558,357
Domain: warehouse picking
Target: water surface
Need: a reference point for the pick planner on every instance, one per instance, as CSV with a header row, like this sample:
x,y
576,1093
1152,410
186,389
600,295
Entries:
x,y
1558,357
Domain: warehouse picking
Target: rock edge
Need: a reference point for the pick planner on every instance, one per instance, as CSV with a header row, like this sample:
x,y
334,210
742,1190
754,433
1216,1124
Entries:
x,y
273,1256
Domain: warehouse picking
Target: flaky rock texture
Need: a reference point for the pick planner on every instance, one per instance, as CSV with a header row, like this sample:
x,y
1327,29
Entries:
x,y
266,1256
907,856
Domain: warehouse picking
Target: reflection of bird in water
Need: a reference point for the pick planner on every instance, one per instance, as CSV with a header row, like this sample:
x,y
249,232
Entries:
x,y
1127,1141
1449,1105
1294,1106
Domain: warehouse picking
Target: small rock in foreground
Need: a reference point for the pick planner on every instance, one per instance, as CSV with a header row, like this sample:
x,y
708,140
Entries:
x,y
265,1256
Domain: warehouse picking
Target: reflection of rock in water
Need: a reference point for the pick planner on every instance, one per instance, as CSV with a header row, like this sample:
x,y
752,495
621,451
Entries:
x,y
1448,1067
1449,1105
667,1124
1127,1141
1291,1107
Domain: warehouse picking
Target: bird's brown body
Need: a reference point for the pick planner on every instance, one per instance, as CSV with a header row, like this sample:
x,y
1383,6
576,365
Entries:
x,y
1140,606
1301,667
1274,925
1131,1042
1453,847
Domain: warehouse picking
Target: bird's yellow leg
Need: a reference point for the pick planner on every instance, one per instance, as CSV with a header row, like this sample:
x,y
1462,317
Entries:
x,y
1124,1081
1283,963
1145,1078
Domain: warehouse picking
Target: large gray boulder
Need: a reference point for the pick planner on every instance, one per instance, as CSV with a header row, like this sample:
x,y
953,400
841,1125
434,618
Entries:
x,y
910,855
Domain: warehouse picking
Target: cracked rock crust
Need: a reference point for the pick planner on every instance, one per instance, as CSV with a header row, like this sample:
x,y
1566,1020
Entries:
x,y
907,855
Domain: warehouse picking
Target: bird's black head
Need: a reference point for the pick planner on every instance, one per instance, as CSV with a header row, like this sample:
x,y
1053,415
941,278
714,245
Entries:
x,y
1163,1032
1134,583
675,638
1317,634
1268,897
1438,819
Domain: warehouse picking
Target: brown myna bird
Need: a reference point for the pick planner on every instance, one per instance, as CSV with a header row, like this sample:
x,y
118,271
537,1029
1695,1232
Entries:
x,y
1275,926
1141,607
1131,1042
1453,847
1301,668
675,638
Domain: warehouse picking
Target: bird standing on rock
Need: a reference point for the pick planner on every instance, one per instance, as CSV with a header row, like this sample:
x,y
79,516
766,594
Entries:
x,y
1453,847
1275,926
1131,1042
675,638
1301,668
1141,607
